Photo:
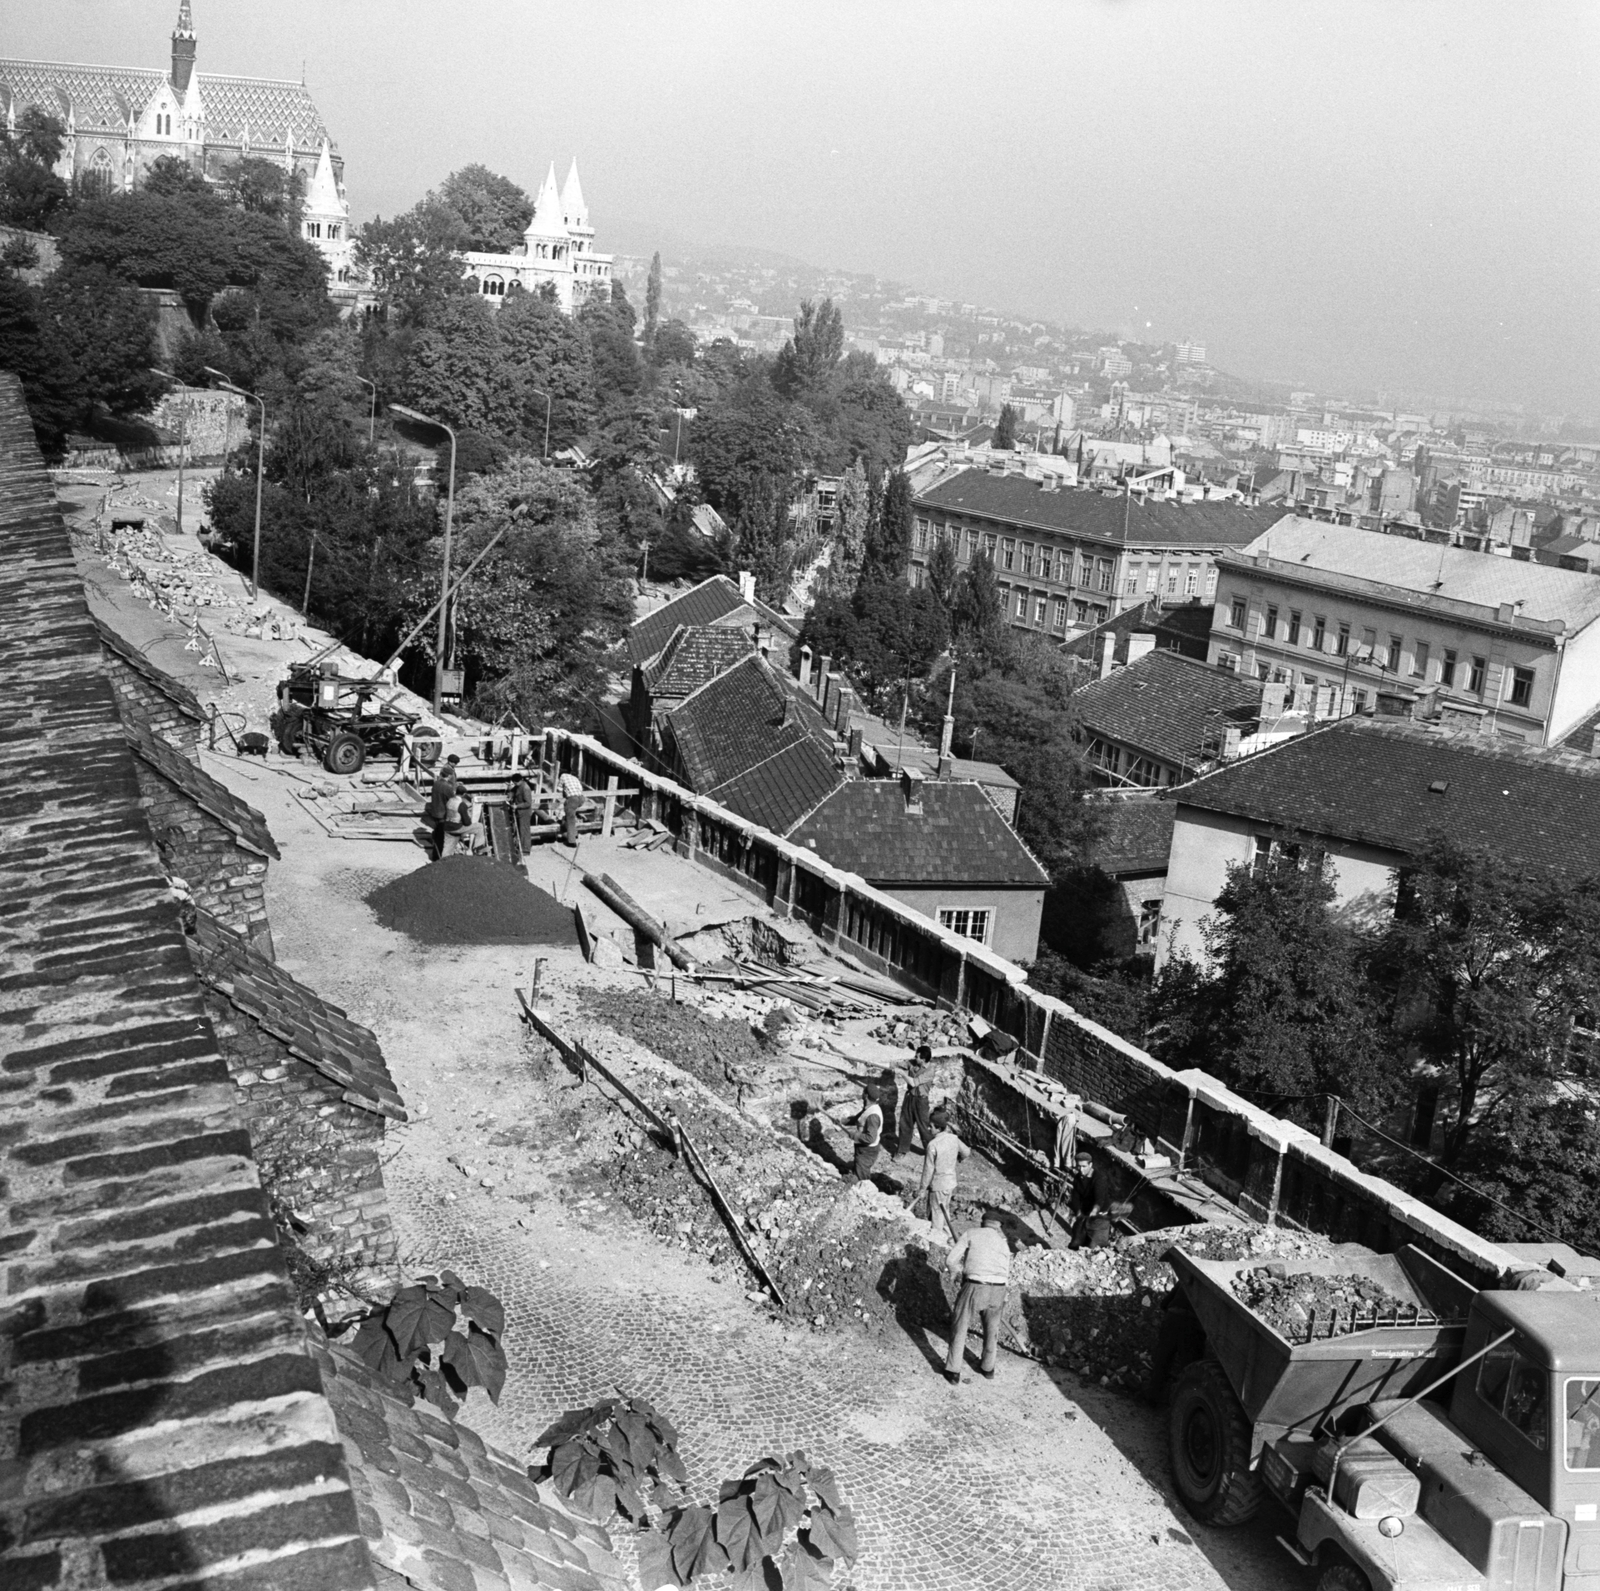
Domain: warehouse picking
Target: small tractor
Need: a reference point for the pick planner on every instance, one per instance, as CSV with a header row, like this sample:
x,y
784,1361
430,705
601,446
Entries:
x,y
1448,1442
341,722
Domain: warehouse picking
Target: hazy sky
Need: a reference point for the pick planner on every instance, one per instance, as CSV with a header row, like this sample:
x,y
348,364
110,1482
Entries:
x,y
1369,193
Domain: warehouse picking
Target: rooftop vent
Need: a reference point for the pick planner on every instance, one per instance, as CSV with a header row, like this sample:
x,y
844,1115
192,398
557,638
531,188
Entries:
x,y
1438,787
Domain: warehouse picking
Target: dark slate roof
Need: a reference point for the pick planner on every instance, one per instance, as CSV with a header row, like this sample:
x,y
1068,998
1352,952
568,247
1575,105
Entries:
x,y
1137,838
174,690
707,603
314,1029
445,1511
1178,627
1103,516
753,740
957,838
695,654
142,1282
1582,738
1167,706
238,817
1367,780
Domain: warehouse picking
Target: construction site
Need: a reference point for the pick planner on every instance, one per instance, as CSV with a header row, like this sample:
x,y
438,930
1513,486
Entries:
x,y
607,1062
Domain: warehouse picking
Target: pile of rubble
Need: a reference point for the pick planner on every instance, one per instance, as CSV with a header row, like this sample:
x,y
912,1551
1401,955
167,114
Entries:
x,y
723,1052
1293,1303
937,1029
1097,1311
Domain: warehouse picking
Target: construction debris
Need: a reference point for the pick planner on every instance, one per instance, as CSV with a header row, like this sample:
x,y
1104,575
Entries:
x,y
1292,1304
472,900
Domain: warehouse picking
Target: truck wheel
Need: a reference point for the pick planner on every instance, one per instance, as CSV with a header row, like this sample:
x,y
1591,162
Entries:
x,y
1343,1577
425,748
345,753
291,731
1209,1444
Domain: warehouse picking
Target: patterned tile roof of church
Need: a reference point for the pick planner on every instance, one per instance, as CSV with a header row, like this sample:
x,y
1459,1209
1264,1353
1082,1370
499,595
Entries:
x,y
103,98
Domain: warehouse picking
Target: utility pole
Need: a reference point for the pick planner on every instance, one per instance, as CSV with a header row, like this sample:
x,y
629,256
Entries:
x,y
261,454
372,409
444,578
183,436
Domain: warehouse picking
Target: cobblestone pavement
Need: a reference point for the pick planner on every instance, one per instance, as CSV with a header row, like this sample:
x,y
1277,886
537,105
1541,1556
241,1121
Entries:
x,y
1027,1482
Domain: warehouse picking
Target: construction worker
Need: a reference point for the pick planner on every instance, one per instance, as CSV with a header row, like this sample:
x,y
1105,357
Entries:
x,y
982,1261
522,810
940,1159
1091,1218
869,1134
439,799
571,787
915,1109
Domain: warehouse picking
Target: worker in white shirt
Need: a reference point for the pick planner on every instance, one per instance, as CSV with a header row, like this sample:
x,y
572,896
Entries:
x,y
944,1154
982,1259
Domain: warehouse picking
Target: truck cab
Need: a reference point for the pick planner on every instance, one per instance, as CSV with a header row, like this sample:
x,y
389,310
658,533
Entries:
x,y
1500,1493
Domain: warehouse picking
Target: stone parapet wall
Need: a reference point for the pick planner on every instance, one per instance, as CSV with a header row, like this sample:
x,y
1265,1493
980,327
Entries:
x,y
320,1156
1273,1170
228,881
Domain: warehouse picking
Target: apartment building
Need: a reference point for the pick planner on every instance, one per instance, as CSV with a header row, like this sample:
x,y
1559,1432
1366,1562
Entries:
x,y
1338,614
1069,558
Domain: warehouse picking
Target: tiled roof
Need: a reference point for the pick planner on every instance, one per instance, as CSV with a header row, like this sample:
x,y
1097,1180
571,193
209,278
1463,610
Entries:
x,y
696,653
1181,627
1368,780
239,817
1137,838
1582,738
712,601
753,740
1167,706
1424,572
445,1511
102,98
1109,517
957,838
318,1032
174,690
161,1418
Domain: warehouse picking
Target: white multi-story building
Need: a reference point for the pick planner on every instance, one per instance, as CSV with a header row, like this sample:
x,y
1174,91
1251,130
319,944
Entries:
x,y
557,251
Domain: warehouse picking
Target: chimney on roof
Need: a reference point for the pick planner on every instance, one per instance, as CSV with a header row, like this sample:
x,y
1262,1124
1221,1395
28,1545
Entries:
x,y
948,728
1594,744
1231,737
1108,653
1506,612
1272,702
747,585
857,736
822,677
805,668
1139,643
911,790
762,638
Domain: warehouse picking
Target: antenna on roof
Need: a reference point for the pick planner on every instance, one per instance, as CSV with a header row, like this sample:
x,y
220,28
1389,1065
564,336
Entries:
x,y
302,71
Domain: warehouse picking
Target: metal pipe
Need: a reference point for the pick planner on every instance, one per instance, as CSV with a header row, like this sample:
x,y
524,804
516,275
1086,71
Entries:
x,y
417,628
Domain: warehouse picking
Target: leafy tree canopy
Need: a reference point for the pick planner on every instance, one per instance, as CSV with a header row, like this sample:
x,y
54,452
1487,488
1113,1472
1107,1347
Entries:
x,y
32,196
412,259
494,212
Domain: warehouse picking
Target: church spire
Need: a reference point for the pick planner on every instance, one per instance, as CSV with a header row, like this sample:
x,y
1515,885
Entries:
x,y
183,46
573,208
547,221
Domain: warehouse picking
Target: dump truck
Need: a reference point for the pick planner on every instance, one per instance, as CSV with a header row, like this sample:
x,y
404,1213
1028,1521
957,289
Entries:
x,y
1445,1440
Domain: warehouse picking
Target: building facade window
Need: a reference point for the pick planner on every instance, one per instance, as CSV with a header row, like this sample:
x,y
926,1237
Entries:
x,y
1040,603
1152,581
1211,583
1027,557
1191,581
1237,609
1391,658
1131,587
1149,922
1294,627
1269,627
1479,673
1521,686
969,923
1447,668
919,535
1419,660
972,544
1341,646
1105,570
1008,553
1172,582
1080,612
1021,609
1319,634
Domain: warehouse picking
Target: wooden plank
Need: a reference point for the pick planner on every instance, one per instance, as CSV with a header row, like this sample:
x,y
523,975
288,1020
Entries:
x,y
610,810
585,933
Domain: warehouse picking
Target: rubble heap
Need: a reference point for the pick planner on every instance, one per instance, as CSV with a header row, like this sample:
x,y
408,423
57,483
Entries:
x,y
937,1029
1289,1303
722,1052
472,900
1097,1311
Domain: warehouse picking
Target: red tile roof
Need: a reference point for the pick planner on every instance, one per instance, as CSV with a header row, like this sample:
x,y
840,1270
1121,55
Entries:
x,y
957,838
1167,706
1372,781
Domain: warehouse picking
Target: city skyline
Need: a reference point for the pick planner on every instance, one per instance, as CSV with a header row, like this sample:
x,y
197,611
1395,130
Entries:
x,y
1396,218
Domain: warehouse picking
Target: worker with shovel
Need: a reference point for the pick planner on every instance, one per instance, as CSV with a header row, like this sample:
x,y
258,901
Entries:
x,y
982,1260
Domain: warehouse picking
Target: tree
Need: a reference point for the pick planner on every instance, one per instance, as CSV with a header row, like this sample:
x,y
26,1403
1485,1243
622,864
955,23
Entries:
x,y
806,364
493,211
1487,967
1535,1166
618,373
887,633
263,187
455,373
31,195
674,344
943,573
545,352
652,297
750,444
1005,428
869,420
172,177
889,540
976,618
103,332
1284,1009
412,259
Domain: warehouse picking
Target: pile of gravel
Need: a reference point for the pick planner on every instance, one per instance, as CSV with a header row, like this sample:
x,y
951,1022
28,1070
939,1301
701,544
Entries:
x,y
472,900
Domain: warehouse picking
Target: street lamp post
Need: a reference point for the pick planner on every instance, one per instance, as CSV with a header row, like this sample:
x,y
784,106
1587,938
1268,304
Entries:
x,y
444,578
261,454
183,438
372,409
546,396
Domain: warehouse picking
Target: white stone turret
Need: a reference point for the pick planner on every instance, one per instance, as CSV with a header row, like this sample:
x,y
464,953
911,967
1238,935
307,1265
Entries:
x,y
325,218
